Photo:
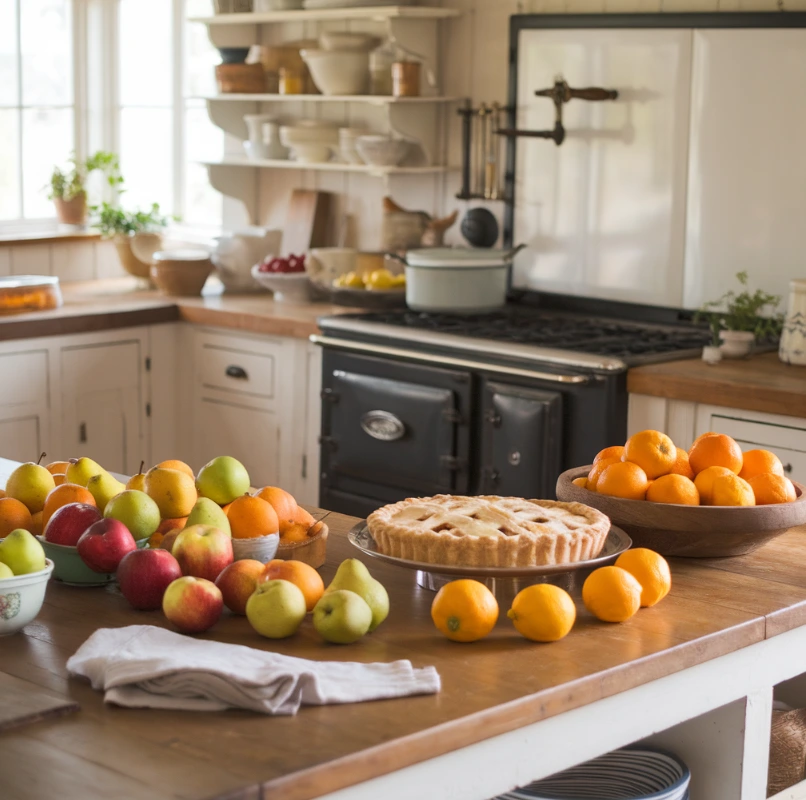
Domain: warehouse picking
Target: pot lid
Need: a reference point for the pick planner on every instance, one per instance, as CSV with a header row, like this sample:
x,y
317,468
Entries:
x,y
181,255
459,257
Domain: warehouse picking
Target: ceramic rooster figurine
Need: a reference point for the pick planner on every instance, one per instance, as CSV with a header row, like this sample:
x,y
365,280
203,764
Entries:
x,y
403,229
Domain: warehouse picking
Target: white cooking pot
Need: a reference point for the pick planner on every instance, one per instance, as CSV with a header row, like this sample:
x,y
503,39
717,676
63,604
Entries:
x,y
457,280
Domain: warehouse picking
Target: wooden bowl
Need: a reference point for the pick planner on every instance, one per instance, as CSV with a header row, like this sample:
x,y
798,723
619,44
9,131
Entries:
x,y
181,278
692,531
312,551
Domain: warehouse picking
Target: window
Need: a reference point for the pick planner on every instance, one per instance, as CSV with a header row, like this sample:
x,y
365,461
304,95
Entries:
x,y
37,114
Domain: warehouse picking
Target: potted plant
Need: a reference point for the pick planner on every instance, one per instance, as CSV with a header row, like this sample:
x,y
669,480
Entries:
x,y
136,234
68,187
736,320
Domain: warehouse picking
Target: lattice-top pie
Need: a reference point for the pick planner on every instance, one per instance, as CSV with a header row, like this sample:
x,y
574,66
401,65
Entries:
x,y
488,531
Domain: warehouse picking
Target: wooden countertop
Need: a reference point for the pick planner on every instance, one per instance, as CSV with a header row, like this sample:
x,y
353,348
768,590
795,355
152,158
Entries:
x,y
109,304
490,687
759,383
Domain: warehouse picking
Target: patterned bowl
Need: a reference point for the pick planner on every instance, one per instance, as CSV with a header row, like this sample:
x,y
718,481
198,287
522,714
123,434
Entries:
x,y
21,598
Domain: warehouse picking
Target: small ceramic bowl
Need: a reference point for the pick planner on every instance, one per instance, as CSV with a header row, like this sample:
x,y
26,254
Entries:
x,y
292,287
382,151
69,568
348,40
259,548
21,598
233,55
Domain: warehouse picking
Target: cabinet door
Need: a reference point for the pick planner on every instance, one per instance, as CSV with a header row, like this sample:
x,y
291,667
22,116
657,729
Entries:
x,y
249,434
22,434
102,406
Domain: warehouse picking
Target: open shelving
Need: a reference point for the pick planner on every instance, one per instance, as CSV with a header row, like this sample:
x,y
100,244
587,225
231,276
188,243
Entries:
x,y
369,99
327,166
373,14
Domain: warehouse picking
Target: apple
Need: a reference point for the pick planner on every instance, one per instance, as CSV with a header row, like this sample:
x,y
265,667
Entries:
x,y
192,604
169,539
276,609
144,575
237,583
69,522
104,543
203,551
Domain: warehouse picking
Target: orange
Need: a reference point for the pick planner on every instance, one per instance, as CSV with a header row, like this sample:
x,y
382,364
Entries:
x,y
59,478
623,479
611,594
653,451
3,493
302,517
250,517
651,570
464,610
760,462
300,574
673,489
294,533
173,490
769,489
13,514
715,450
282,502
616,452
596,472
581,482
705,483
543,612
177,465
36,524
62,495
731,490
57,467
681,465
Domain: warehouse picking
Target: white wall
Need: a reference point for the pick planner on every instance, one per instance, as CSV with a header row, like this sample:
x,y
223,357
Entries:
x,y
67,260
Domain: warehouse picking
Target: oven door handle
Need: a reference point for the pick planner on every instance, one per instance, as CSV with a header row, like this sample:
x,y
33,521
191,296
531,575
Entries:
x,y
446,361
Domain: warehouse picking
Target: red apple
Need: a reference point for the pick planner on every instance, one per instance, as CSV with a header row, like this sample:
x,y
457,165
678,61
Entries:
x,y
203,551
144,575
192,604
69,522
104,543
168,540
237,582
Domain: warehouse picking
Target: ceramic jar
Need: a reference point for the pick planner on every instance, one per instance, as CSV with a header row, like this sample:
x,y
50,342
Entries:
x,y
792,349
736,344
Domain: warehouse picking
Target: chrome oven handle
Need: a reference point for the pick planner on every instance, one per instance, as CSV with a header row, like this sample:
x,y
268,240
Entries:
x,y
446,361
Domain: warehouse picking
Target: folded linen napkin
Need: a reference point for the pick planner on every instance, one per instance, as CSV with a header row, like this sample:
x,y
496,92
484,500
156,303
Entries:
x,y
143,666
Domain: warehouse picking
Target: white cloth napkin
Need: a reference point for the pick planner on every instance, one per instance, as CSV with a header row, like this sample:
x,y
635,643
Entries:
x,y
143,666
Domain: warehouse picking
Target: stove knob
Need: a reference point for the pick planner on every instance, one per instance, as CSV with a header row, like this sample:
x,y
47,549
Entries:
x,y
493,418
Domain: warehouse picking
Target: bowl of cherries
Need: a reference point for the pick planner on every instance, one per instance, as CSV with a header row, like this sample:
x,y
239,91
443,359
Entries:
x,y
285,276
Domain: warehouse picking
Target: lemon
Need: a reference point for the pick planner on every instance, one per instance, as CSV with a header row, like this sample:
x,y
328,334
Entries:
x,y
399,281
543,612
350,280
380,279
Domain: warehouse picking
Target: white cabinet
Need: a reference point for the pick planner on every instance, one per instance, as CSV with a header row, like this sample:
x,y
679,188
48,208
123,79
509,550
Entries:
x,y
22,434
24,401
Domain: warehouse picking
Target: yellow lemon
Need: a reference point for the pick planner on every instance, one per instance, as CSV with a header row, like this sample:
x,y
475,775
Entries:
x,y
543,612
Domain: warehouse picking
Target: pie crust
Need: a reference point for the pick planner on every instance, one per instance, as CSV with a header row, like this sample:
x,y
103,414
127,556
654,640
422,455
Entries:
x,y
488,531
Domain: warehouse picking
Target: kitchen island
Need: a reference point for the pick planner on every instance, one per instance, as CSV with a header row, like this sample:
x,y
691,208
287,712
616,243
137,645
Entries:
x,y
695,673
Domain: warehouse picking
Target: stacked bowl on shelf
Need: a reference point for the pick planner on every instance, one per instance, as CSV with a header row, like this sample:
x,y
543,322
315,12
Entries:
x,y
340,65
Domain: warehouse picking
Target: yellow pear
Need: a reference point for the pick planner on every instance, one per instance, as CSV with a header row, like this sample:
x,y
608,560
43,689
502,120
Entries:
x,y
138,481
30,484
80,471
173,491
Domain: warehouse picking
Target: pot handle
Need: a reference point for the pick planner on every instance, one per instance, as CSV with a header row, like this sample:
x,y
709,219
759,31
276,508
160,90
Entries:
x,y
514,251
396,257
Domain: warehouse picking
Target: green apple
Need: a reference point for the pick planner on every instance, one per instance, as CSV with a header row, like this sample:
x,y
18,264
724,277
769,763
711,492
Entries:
x,y
208,512
5,571
136,510
276,609
103,487
342,616
21,552
353,575
30,484
222,480
82,470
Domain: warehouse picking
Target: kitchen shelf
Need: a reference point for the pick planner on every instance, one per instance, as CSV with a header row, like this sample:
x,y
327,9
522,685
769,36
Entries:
x,y
376,14
327,166
370,99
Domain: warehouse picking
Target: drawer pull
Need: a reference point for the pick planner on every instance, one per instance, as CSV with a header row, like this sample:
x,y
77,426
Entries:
x,y
82,433
788,469
239,373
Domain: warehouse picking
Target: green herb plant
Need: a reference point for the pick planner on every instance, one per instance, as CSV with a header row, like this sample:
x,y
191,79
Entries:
x,y
71,182
111,220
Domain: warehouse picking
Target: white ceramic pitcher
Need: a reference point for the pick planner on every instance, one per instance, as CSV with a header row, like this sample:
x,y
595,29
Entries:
x,y
792,349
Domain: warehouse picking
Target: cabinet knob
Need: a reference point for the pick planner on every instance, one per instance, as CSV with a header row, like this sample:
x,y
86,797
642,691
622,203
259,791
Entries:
x,y
788,469
82,433
239,373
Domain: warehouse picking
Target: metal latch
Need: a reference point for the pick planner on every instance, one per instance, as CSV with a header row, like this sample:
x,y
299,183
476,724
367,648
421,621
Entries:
x,y
452,463
329,396
452,415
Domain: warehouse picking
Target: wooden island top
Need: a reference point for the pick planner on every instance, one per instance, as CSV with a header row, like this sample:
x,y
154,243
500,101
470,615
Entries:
x,y
491,689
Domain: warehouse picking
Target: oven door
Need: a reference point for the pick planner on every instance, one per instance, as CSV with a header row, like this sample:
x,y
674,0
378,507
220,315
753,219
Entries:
x,y
390,431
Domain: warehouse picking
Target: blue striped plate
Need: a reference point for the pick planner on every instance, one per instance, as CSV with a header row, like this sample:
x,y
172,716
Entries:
x,y
634,773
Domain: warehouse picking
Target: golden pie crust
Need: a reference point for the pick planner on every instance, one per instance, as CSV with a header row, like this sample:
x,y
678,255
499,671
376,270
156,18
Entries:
x,y
488,531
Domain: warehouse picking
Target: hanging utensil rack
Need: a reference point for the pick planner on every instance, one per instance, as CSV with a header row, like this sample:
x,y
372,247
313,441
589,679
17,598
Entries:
x,y
481,152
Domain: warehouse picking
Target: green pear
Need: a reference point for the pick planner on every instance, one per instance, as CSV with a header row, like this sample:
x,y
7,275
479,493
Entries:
x,y
353,575
81,471
22,553
30,484
103,487
340,616
276,609
136,510
222,480
208,512
5,571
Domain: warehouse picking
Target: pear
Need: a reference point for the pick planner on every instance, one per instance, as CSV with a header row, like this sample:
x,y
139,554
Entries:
x,y
340,616
207,512
30,484
104,487
82,470
138,481
136,510
353,575
173,491
5,571
22,553
222,480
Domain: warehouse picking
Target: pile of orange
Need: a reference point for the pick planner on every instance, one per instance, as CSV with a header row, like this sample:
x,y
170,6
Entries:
x,y
714,472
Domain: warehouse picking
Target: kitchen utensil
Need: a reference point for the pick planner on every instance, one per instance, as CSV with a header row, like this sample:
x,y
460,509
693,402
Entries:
x,y
307,222
325,264
480,227
491,156
240,78
21,598
338,72
382,151
236,253
792,349
348,40
291,287
406,78
233,55
693,531
181,273
29,293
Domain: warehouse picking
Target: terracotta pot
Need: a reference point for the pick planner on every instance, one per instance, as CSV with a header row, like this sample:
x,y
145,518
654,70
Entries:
x,y
71,212
132,264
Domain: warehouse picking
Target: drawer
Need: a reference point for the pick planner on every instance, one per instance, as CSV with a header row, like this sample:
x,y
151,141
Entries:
x,y
26,378
237,370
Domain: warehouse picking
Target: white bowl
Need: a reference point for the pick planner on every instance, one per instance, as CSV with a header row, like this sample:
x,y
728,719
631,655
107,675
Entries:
x,y
312,153
348,40
291,287
347,138
309,132
21,598
258,548
382,151
340,72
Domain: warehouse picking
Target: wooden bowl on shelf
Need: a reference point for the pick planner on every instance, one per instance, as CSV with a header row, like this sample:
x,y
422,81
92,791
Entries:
x,y
692,531
312,551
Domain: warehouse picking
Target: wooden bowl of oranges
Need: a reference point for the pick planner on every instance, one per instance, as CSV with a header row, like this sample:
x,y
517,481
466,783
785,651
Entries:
x,y
711,501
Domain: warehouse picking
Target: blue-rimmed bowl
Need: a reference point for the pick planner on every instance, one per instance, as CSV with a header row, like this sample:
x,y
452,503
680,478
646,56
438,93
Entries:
x,y
21,598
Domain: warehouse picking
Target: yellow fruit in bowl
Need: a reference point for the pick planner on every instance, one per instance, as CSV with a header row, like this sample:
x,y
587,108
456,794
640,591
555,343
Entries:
x,y
399,281
380,280
731,490
350,280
